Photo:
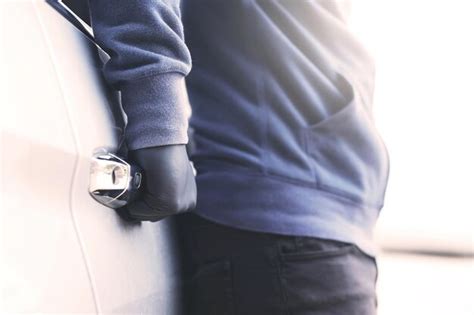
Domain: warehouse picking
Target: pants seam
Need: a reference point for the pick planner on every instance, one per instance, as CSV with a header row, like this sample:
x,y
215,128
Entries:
x,y
281,280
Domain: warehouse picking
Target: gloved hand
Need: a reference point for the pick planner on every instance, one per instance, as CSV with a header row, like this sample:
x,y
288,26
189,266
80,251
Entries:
x,y
168,186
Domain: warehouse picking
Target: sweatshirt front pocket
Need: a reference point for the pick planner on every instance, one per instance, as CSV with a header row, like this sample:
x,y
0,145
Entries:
x,y
348,156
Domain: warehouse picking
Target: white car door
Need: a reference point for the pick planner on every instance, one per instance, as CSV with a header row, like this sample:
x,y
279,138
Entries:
x,y
61,250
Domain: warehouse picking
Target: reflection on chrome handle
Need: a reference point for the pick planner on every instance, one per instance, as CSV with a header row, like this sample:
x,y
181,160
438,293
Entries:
x,y
113,182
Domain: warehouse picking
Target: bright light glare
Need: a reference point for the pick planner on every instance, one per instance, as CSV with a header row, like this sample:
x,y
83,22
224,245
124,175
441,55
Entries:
x,y
424,109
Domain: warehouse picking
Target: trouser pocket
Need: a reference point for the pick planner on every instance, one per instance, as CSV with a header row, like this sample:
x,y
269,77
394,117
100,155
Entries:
x,y
211,287
332,278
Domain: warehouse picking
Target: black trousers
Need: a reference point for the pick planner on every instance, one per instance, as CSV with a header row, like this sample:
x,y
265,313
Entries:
x,y
237,272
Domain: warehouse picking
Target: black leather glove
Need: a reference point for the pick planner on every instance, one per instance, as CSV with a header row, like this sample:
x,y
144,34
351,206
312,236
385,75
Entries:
x,y
168,186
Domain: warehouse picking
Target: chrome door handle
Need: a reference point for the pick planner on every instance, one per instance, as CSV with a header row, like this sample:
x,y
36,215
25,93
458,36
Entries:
x,y
113,182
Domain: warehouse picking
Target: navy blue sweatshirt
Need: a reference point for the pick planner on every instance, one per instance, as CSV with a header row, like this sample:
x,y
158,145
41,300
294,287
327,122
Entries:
x,y
281,93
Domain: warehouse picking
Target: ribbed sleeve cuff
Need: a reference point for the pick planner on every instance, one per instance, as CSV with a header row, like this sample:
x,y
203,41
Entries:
x,y
158,111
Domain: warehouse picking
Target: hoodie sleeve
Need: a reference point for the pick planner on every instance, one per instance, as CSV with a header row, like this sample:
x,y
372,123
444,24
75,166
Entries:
x,y
148,63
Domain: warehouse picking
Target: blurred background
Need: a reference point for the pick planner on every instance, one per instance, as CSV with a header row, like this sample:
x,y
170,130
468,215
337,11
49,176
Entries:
x,y
424,108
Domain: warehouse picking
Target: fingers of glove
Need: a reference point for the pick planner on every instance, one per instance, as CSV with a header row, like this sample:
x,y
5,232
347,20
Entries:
x,y
141,210
165,168
169,184
125,215
157,207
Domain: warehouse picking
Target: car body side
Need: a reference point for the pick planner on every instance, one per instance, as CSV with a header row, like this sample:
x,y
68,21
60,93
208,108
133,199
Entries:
x,y
62,251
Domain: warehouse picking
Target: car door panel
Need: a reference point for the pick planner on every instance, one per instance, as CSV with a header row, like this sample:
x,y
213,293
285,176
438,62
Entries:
x,y
132,266
42,266
127,268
